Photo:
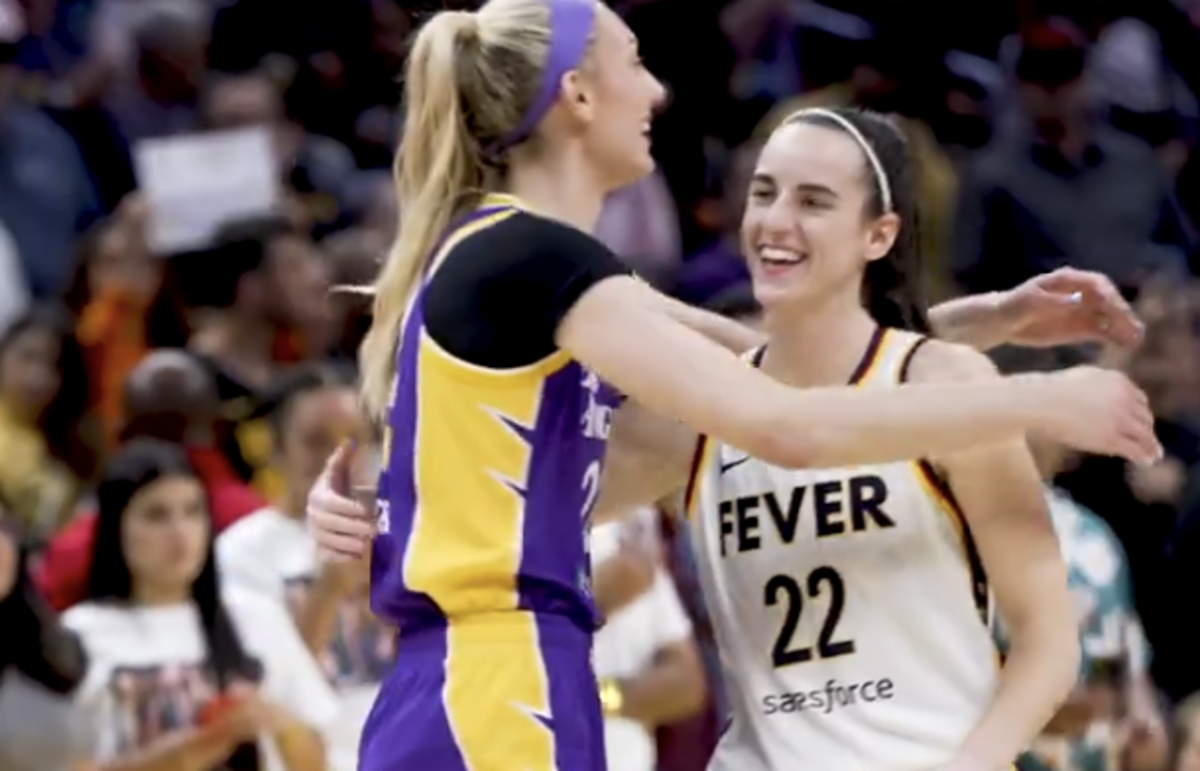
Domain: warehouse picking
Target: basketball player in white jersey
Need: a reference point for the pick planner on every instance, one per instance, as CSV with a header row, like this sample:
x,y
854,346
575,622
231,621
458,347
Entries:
x,y
852,606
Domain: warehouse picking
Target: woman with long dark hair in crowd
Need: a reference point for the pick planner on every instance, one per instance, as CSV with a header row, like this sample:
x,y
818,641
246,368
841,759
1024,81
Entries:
x,y
43,435
182,675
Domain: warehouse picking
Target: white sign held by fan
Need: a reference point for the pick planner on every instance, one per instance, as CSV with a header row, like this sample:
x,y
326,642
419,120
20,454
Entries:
x,y
195,183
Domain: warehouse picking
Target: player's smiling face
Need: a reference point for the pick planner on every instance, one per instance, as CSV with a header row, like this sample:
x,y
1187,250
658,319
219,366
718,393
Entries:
x,y
623,97
804,233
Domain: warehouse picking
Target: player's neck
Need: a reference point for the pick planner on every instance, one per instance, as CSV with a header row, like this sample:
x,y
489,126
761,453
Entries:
x,y
816,346
294,504
559,188
152,594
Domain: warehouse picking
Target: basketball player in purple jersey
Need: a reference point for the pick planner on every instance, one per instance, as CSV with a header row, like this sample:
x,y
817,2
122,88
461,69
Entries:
x,y
498,321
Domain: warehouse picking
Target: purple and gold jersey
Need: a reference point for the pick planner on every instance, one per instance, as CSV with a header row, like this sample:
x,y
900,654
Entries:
x,y
487,482
488,478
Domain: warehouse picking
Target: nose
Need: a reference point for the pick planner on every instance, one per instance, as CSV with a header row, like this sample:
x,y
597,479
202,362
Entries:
x,y
780,218
660,94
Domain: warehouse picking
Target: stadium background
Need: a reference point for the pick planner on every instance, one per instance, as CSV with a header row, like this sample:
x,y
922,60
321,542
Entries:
x,y
1050,133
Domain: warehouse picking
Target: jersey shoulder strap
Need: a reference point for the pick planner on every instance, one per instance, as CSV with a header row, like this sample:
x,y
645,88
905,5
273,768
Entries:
x,y
893,358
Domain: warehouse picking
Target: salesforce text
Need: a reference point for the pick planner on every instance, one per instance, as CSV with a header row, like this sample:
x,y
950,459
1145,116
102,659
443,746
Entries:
x,y
832,696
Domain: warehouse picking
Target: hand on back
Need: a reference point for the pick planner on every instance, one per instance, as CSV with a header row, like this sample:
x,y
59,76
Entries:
x,y
342,527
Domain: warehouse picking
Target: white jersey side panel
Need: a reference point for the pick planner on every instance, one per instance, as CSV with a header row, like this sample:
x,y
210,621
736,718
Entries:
x,y
849,606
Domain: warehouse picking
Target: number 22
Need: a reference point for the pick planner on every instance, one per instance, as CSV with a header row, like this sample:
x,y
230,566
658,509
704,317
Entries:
x,y
591,489
782,653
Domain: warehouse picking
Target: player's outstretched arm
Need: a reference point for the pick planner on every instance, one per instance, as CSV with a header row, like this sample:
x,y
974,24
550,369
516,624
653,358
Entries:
x,y
1064,307
648,458
620,329
1001,497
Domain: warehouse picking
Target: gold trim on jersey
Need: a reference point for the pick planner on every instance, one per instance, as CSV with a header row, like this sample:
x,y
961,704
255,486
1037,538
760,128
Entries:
x,y
937,489
516,377
701,459
871,358
465,548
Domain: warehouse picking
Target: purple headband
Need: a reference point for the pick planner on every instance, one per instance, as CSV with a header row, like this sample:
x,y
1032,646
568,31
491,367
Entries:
x,y
571,24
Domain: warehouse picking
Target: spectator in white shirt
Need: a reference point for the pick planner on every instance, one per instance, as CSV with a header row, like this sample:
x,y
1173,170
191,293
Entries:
x,y
181,674
315,409
645,656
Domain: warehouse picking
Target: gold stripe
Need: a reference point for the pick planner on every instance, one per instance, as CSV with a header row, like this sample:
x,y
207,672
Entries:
x,y
463,232
936,489
872,357
700,463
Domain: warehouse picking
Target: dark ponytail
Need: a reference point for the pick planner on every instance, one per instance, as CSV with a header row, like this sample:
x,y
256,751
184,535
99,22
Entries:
x,y
892,289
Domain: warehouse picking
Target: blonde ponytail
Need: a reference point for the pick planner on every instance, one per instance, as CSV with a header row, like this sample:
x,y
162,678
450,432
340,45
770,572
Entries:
x,y
438,174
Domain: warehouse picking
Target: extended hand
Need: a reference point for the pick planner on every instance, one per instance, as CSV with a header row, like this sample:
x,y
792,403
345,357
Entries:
x,y
1066,307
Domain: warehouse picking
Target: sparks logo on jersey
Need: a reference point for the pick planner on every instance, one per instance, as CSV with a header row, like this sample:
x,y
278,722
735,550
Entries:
x,y
383,516
597,417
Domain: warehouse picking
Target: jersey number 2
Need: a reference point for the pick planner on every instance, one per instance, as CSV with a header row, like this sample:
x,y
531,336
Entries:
x,y
784,588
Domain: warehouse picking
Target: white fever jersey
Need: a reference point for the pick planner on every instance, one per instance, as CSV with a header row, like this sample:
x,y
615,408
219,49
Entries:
x,y
849,604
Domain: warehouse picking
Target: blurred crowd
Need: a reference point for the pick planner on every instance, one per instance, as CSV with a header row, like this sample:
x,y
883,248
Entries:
x,y
177,344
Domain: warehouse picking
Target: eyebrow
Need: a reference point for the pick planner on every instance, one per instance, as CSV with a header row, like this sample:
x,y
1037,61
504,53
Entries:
x,y
807,187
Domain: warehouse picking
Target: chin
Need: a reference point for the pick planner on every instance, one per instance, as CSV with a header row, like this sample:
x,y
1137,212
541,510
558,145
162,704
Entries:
x,y
630,168
186,572
769,296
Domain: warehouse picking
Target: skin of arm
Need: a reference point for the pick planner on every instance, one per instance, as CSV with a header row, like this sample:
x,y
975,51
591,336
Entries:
x,y
621,579
300,747
196,749
200,749
620,330
976,320
316,619
648,458
1147,746
1003,501
672,689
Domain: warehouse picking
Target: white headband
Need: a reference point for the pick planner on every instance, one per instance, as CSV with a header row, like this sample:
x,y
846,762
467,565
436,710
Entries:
x,y
881,178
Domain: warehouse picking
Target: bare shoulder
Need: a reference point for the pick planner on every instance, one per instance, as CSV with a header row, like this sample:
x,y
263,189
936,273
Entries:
x,y
937,361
